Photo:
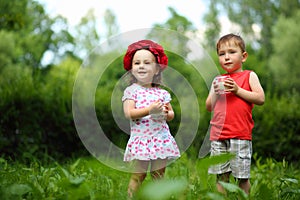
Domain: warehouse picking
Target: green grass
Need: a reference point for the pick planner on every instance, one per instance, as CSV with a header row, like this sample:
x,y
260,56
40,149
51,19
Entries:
x,y
87,178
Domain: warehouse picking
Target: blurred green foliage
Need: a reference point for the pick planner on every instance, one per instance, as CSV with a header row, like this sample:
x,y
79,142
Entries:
x,y
36,100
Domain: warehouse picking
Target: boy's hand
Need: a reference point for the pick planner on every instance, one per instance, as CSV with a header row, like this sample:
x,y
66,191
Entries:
x,y
231,86
217,89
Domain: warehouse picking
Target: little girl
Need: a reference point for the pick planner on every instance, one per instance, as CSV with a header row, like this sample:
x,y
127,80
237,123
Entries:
x,y
148,108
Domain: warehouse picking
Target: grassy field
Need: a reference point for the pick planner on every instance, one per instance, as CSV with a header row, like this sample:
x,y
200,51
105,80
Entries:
x,y
87,178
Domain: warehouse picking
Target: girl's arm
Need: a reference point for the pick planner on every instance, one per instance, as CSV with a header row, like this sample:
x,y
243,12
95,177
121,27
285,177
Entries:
x,y
256,96
170,112
136,113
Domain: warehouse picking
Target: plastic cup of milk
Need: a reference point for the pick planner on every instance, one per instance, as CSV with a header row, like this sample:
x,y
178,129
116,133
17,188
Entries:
x,y
220,81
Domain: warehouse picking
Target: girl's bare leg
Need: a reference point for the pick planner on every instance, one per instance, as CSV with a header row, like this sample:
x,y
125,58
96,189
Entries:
x,y
135,182
158,168
137,177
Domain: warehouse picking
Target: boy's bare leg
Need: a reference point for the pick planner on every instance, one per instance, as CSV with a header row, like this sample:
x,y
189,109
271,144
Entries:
x,y
245,185
224,178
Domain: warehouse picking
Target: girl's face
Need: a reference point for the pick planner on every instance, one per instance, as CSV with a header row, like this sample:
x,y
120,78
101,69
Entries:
x,y
144,67
231,57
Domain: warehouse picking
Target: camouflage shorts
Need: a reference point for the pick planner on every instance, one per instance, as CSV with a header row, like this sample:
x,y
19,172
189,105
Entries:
x,y
238,166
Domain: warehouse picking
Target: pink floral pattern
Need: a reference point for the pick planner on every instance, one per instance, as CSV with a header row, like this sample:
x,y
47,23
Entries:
x,y
150,138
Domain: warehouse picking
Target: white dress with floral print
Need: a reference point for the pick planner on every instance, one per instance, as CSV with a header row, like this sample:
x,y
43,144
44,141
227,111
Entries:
x,y
150,137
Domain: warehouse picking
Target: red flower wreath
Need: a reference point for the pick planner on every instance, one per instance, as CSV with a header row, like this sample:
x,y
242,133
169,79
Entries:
x,y
155,48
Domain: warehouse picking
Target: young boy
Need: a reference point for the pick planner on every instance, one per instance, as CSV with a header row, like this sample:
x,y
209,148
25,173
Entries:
x,y
231,99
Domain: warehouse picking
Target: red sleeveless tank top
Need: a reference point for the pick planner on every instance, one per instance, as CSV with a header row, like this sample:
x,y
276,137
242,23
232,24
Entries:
x,y
232,115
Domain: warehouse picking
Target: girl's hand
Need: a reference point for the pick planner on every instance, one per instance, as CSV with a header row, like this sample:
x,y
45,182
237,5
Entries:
x,y
165,111
159,111
156,107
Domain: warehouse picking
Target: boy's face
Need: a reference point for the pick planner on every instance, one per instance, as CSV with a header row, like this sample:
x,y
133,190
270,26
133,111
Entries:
x,y
231,57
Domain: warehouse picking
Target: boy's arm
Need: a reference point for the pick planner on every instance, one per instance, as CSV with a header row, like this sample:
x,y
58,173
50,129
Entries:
x,y
257,95
211,99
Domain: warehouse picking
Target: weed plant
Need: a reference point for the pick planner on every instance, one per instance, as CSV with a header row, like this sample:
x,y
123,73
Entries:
x,y
186,179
